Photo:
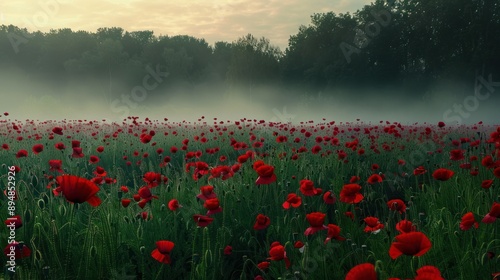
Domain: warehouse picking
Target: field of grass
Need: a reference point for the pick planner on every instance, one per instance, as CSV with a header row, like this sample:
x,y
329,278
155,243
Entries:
x,y
253,166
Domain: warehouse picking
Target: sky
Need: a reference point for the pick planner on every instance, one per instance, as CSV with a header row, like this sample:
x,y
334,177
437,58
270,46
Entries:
x,y
216,20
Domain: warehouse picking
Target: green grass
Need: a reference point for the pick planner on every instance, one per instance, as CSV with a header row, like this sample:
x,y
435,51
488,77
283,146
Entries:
x,y
78,241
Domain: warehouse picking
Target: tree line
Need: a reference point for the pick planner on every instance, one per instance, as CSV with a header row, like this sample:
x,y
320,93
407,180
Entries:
x,y
410,44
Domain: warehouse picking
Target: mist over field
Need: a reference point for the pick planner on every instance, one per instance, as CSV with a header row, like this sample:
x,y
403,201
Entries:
x,y
27,98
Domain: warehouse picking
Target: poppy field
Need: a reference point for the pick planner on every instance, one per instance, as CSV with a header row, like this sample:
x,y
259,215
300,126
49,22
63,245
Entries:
x,y
249,199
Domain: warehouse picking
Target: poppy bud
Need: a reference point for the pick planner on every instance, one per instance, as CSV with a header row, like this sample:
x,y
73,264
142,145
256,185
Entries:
x,y
62,210
41,203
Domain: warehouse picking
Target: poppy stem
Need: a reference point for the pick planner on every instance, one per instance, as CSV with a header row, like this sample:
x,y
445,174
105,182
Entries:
x,y
159,271
413,263
70,238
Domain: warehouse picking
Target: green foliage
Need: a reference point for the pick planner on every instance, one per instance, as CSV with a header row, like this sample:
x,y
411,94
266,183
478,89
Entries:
x,y
78,241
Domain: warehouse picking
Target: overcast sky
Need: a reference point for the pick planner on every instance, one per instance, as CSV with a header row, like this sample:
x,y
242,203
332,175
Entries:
x,y
216,20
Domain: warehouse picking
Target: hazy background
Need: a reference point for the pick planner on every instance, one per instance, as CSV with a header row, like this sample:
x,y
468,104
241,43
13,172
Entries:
x,y
260,60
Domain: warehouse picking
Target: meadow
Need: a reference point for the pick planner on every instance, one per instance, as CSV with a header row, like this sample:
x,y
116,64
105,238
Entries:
x,y
250,199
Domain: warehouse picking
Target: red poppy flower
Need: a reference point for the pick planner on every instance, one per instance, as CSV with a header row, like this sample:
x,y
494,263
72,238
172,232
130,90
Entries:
x,y
457,154
299,245
212,205
97,180
243,158
419,171
397,205
201,169
266,175
496,172
145,138
316,220
165,161
100,172
261,222
354,179
57,130
162,251
206,193
405,226
152,179
77,153
14,221
350,194
228,250
21,153
109,181
468,221
263,265
126,202
410,244
174,205
258,164
442,174
37,148
364,271
281,139
493,214
55,165
77,190
224,172
488,162
235,167
100,149
5,146
145,193
315,149
93,159
292,200
486,184
278,253
60,146
202,221
329,197
428,272
373,225
20,250
307,188
333,233
75,144
374,178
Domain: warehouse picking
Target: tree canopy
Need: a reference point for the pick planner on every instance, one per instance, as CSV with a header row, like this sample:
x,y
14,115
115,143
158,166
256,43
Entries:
x,y
407,43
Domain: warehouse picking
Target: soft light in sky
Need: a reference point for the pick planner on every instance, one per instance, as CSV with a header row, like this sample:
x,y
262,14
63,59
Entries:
x,y
218,20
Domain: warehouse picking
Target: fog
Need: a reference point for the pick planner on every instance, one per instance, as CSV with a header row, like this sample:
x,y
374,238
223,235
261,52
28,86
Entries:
x,y
27,98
